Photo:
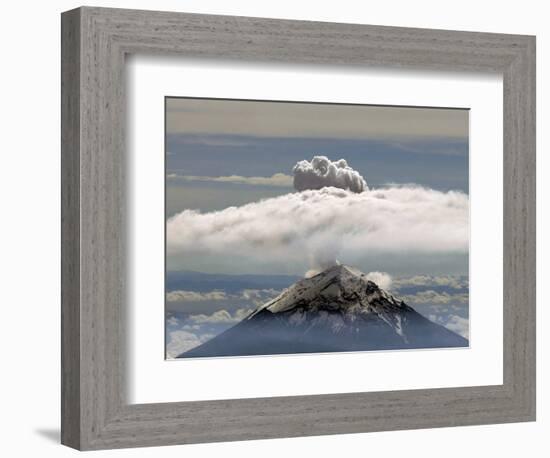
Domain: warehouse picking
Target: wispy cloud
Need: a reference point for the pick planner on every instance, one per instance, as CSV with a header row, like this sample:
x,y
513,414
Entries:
x,y
195,296
277,179
214,140
259,296
251,295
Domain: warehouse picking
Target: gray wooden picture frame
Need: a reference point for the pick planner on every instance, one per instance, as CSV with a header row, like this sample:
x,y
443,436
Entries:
x,y
95,41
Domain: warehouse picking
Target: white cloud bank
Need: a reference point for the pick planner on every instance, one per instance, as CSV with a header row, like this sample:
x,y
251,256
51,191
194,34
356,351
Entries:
x,y
321,172
328,223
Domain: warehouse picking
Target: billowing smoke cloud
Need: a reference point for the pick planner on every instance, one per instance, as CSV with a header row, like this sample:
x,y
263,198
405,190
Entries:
x,y
382,279
321,225
320,264
322,172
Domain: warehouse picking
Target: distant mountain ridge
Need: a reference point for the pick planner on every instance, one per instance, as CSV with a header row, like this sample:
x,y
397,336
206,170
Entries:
x,y
336,310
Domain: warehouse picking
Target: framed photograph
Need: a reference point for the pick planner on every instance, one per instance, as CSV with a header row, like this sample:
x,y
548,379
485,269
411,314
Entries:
x,y
279,228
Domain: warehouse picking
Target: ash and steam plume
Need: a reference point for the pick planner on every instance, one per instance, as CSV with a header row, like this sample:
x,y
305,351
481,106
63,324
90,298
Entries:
x,y
322,172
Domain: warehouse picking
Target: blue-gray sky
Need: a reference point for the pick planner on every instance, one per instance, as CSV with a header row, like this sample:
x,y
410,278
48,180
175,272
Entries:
x,y
438,163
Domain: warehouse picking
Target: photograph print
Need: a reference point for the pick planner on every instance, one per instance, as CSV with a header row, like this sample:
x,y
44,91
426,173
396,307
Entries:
x,y
304,227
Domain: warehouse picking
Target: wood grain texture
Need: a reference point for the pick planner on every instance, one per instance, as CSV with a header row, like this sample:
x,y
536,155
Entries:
x,y
95,413
70,229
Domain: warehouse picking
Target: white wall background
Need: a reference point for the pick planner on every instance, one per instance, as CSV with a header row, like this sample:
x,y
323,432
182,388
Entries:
x,y
29,241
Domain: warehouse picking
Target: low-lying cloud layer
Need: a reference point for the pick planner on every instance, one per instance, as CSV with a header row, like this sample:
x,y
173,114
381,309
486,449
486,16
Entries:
x,y
324,224
433,297
451,281
321,172
220,316
180,341
186,332
217,295
455,323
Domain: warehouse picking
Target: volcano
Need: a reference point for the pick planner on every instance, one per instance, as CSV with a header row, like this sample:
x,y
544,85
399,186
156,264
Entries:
x,y
337,310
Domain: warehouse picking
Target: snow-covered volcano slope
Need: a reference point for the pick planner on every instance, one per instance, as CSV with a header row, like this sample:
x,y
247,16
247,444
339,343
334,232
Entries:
x,y
336,310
